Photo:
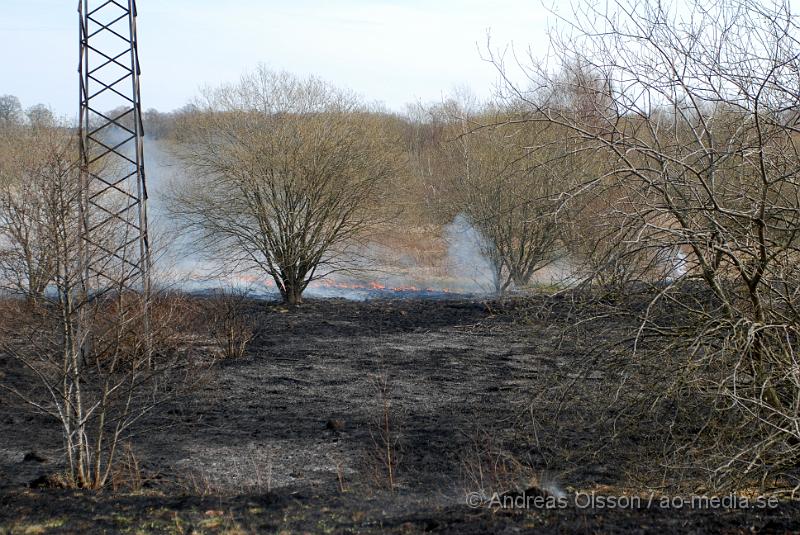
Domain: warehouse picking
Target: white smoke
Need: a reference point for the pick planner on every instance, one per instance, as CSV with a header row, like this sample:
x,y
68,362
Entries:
x,y
466,259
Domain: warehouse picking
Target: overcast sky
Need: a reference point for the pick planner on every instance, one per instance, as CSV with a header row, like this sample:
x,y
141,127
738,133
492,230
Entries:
x,y
393,51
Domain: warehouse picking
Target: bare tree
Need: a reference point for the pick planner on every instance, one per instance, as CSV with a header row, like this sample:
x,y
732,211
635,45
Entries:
x,y
286,176
505,179
37,174
693,110
40,115
10,109
90,365
98,383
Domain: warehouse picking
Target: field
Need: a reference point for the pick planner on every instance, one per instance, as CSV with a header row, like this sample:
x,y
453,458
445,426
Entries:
x,y
456,396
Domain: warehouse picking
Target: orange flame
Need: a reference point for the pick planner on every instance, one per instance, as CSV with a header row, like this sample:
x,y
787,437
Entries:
x,y
377,286
365,286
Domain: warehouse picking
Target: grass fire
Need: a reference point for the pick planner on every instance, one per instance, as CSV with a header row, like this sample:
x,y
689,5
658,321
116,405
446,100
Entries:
x,y
376,269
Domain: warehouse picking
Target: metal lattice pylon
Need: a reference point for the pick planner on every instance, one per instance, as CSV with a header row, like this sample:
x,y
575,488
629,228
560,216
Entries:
x,y
113,186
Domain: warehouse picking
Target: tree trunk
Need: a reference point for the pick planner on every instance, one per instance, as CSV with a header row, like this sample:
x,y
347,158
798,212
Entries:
x,y
293,296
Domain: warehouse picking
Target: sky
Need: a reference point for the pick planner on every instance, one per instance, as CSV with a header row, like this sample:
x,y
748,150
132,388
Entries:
x,y
390,51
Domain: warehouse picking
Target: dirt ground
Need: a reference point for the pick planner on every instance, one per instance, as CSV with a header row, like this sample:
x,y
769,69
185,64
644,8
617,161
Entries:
x,y
290,438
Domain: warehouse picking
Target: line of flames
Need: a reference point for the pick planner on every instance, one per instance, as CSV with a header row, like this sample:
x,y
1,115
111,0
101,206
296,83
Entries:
x,y
376,286
366,286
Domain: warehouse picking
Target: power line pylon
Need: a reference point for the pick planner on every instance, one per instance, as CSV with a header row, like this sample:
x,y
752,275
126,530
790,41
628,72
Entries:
x,y
114,189
115,250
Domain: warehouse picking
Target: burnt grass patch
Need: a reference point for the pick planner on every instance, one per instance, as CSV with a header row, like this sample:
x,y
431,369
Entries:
x,y
492,396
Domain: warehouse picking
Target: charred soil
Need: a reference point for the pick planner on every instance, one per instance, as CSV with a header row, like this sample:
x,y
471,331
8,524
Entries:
x,y
465,396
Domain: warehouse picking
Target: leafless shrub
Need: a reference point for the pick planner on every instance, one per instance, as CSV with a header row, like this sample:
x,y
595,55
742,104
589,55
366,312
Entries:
x,y
488,468
127,474
384,456
178,322
340,476
231,327
196,483
693,117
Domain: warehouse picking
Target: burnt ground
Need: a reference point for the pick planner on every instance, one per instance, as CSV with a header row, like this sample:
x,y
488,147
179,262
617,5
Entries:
x,y
287,439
